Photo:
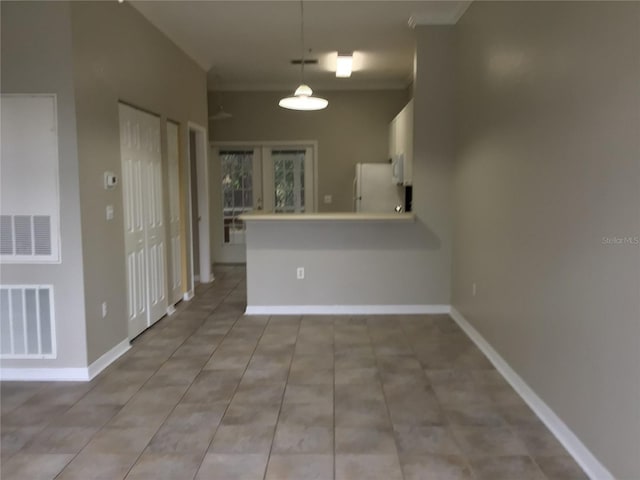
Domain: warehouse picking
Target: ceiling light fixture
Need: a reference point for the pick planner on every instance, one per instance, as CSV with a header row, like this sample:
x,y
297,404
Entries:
x,y
303,98
344,64
220,115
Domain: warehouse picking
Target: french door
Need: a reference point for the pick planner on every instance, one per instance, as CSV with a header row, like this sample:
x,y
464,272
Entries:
x,y
143,218
271,178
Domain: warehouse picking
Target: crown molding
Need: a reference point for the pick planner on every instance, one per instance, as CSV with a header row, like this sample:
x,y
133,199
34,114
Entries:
x,y
317,87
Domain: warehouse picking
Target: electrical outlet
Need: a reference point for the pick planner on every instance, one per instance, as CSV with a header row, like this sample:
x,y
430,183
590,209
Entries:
x,y
473,290
104,309
109,212
300,273
328,199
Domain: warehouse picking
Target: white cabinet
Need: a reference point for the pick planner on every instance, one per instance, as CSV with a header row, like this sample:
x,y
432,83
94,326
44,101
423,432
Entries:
x,y
401,140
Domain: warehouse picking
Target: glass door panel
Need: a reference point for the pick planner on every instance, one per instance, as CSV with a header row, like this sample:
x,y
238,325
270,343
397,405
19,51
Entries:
x,y
275,178
288,172
239,194
288,178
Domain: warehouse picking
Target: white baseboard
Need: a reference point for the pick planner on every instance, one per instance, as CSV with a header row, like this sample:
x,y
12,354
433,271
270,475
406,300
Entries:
x,y
582,455
65,374
44,374
187,296
108,358
345,309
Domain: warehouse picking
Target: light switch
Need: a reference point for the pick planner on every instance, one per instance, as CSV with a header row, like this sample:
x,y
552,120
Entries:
x,y
328,199
109,212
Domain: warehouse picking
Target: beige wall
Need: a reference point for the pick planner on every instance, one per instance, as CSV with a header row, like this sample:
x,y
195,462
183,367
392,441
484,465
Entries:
x,y
354,128
119,55
433,152
361,263
378,264
548,166
36,58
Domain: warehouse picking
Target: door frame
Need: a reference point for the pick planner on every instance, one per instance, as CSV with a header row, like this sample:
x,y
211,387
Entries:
x,y
216,215
202,169
180,260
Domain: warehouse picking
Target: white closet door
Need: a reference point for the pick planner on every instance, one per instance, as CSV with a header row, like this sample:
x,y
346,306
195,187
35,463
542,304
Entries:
x,y
144,224
173,155
133,167
155,228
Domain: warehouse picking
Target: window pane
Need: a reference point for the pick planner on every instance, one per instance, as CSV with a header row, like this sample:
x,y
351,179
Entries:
x,y
237,188
288,180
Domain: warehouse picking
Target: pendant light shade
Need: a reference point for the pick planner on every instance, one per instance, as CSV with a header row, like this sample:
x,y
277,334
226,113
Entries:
x,y
303,99
220,115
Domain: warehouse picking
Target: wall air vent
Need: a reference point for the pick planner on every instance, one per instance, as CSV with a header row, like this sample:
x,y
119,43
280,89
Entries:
x,y
27,327
307,61
25,236
29,186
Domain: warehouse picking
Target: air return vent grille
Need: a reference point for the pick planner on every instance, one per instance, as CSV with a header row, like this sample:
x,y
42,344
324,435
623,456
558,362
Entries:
x,y
307,61
29,184
25,236
27,327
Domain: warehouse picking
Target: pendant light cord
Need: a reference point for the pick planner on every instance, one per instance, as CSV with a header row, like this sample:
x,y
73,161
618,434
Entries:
x,y
302,40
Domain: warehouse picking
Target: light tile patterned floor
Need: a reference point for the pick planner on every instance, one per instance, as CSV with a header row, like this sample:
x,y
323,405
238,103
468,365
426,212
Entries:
x,y
211,394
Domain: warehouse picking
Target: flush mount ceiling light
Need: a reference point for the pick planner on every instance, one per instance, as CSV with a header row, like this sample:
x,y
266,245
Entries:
x,y
303,98
344,64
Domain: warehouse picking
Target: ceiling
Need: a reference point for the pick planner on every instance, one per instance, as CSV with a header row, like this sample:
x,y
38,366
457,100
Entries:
x,y
248,45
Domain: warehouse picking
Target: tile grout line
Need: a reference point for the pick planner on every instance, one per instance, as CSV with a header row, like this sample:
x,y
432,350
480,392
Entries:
x,y
448,426
235,390
333,346
284,391
121,408
137,391
187,389
204,455
384,395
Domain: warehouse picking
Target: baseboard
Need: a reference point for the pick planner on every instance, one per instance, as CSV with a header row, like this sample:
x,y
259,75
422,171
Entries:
x,y
44,374
108,358
65,374
582,455
345,309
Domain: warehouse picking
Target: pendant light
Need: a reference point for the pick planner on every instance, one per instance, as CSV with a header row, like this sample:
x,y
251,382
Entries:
x,y
303,98
220,115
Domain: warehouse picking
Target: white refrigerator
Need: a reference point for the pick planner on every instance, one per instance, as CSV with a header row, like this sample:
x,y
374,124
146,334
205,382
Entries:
x,y
374,190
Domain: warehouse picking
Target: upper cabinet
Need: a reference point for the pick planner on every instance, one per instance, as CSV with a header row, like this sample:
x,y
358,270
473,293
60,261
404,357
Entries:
x,y
401,141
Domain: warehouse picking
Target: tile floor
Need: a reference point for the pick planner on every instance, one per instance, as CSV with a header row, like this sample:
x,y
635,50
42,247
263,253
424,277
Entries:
x,y
211,394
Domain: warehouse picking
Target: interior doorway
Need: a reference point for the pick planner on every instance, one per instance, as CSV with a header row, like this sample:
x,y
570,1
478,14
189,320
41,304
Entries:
x,y
199,207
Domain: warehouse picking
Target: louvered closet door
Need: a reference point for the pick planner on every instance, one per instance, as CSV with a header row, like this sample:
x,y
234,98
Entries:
x,y
173,155
143,218
133,167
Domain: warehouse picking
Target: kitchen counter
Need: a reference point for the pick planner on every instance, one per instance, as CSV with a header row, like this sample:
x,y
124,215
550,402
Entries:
x,y
329,217
338,263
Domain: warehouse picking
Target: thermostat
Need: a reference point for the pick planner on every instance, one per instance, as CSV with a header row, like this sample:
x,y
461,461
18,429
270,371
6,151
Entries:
x,y
110,180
